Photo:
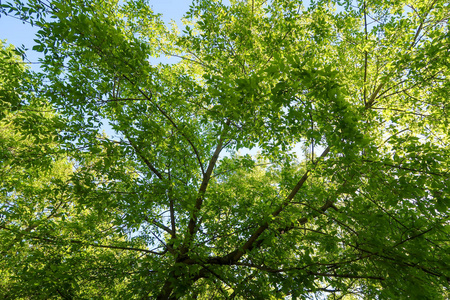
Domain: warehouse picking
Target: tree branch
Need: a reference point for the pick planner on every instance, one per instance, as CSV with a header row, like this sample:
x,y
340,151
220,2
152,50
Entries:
x,y
404,168
421,25
146,161
55,241
159,225
201,193
271,270
401,110
374,96
346,276
149,98
365,55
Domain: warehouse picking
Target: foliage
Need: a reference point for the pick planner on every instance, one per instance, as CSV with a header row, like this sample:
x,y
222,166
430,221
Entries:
x,y
169,207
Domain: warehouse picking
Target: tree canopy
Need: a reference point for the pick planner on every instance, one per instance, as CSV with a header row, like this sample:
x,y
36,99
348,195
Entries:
x,y
347,103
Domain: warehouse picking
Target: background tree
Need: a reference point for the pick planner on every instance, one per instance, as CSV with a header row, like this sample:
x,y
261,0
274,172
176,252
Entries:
x,y
169,208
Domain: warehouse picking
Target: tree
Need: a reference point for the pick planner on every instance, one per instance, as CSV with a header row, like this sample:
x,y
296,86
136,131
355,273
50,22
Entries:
x,y
170,207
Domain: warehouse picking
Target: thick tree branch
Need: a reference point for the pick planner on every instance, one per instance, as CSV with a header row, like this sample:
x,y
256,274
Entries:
x,y
201,193
171,206
374,95
172,215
